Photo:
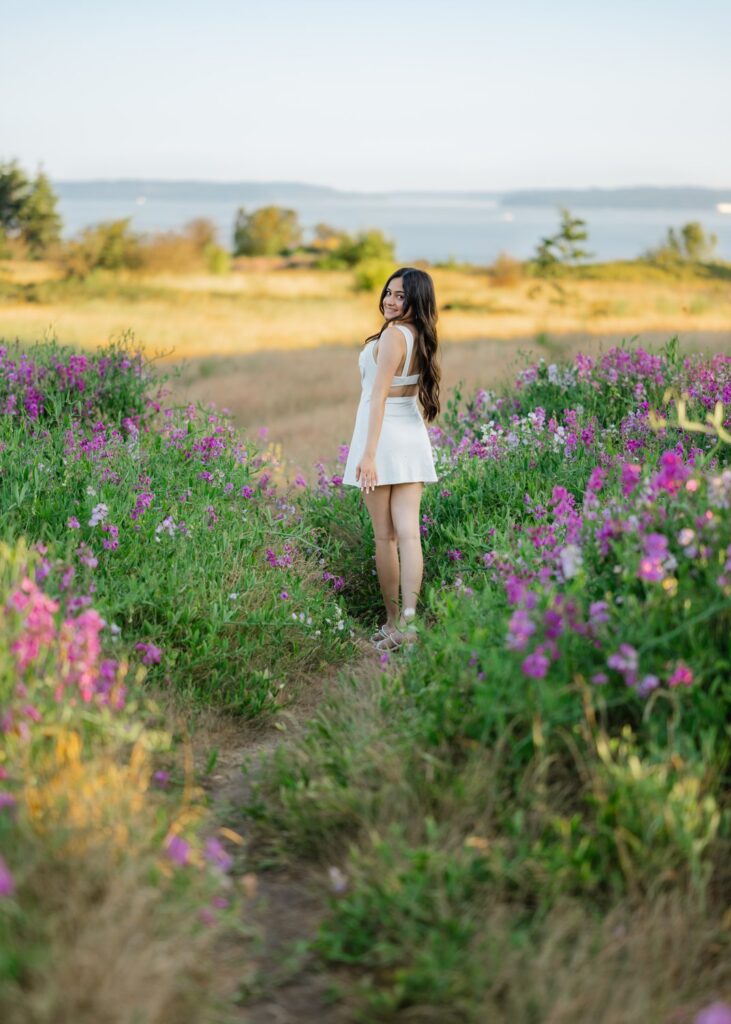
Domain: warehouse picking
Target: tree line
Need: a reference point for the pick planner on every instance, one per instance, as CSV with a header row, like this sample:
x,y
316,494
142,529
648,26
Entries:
x,y
31,226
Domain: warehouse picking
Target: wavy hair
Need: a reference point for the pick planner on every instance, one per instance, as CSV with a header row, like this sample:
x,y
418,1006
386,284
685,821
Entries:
x,y
420,306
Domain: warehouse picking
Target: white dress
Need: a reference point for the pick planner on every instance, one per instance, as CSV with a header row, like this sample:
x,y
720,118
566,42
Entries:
x,y
404,452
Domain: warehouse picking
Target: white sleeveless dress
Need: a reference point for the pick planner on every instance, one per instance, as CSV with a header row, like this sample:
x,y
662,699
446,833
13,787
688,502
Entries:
x,y
404,452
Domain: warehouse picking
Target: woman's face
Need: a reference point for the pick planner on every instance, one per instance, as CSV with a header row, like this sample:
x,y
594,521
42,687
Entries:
x,y
394,300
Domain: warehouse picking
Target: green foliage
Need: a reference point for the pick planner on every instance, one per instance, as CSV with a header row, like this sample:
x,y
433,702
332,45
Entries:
x,y
218,259
14,191
370,274
28,209
110,245
268,231
458,781
40,220
205,592
411,913
366,248
690,244
563,249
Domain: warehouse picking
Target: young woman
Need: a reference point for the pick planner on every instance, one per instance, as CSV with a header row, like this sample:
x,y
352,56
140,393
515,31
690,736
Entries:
x,y
390,455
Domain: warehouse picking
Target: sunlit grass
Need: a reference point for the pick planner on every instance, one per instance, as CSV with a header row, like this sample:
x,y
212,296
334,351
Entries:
x,y
183,316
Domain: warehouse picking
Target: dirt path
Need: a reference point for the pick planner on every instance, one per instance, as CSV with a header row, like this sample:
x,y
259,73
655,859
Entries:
x,y
266,975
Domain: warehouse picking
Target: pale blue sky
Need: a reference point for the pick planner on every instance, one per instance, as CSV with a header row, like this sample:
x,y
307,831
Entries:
x,y
464,94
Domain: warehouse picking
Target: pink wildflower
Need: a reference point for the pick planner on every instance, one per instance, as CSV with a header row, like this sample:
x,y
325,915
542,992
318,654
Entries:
x,y
7,882
536,665
682,676
178,850
520,628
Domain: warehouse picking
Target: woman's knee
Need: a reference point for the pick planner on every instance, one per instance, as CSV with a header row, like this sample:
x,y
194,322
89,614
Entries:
x,y
407,534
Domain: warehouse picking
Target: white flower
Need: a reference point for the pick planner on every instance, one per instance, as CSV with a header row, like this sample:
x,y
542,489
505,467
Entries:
x,y
168,524
338,880
571,560
232,597
98,514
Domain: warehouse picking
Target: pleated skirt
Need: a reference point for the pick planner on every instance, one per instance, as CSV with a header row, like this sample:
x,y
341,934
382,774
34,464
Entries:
x,y
404,453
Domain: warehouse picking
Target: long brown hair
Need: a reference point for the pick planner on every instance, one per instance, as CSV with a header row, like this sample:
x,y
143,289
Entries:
x,y
420,306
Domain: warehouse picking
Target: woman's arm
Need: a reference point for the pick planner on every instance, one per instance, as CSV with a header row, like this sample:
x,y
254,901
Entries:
x,y
391,350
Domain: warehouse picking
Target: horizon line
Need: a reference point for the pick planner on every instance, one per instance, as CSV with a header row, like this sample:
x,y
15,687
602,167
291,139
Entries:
x,y
337,188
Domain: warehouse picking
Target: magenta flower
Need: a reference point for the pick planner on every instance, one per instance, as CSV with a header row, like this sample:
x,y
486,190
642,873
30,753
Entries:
x,y
630,477
178,850
647,684
716,1013
536,665
454,555
7,882
520,628
625,661
655,547
73,523
215,854
673,473
682,676
598,613
151,654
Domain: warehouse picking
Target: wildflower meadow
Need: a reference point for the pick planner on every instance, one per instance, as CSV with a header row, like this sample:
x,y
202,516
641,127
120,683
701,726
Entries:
x,y
522,817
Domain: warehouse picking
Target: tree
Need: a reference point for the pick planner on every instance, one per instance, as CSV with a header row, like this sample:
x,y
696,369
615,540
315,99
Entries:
x,y
563,249
202,233
690,244
327,238
40,223
268,231
28,209
366,245
108,246
14,191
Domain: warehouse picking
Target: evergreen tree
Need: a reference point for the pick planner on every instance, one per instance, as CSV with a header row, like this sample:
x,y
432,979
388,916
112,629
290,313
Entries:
x,y
39,220
564,248
14,191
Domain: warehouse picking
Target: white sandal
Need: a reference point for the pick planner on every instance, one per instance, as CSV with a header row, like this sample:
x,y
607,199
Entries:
x,y
400,637
382,633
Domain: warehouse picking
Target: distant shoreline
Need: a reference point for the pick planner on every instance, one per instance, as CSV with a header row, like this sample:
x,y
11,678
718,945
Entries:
x,y
644,196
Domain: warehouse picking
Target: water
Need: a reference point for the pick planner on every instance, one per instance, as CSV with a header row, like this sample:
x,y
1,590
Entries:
x,y
433,228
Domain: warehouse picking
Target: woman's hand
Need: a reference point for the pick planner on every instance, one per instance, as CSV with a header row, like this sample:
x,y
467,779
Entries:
x,y
365,473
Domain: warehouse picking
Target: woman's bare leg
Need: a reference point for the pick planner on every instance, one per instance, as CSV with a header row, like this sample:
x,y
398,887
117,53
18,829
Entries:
x,y
378,502
405,505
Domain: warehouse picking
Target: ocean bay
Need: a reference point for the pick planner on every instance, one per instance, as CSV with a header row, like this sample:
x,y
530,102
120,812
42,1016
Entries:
x,y
430,227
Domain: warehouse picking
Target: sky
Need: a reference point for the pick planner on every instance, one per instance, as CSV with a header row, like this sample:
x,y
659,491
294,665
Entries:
x,y
460,94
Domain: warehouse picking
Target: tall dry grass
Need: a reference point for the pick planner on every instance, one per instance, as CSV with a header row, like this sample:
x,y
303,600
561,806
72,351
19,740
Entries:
x,y
295,309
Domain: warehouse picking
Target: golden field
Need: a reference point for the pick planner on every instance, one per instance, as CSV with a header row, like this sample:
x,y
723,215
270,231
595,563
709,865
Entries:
x,y
278,346
182,317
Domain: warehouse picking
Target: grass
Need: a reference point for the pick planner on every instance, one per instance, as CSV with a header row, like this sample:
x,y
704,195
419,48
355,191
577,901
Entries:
x,y
193,316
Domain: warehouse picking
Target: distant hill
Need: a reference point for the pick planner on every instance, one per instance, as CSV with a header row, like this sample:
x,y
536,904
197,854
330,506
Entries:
x,y
187,191
646,196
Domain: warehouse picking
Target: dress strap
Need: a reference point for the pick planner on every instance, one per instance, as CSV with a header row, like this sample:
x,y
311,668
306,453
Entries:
x,y
409,347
